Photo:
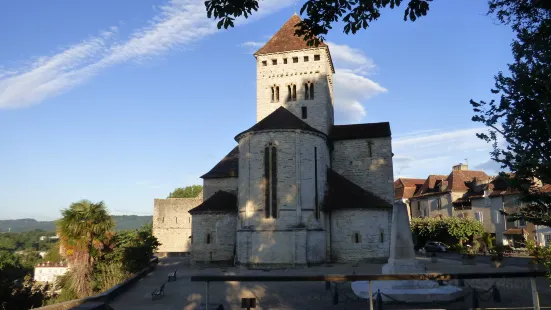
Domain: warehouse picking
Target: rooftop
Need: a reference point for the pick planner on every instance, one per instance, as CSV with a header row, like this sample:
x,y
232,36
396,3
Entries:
x,y
221,201
226,168
285,39
360,131
280,119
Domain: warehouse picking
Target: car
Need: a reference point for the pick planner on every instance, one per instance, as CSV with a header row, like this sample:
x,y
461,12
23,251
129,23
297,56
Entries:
x,y
435,246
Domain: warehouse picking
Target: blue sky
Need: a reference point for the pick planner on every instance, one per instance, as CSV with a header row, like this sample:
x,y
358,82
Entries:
x,y
123,101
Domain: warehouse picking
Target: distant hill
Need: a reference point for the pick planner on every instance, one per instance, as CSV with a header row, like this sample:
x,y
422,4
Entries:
x,y
123,222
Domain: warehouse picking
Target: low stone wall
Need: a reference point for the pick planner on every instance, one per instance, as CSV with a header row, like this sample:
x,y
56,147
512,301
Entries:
x,y
100,301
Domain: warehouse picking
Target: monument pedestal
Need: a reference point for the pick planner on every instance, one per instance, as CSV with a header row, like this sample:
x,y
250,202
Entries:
x,y
402,261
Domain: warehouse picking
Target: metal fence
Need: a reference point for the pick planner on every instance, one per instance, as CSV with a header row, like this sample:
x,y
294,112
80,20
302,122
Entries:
x,y
375,300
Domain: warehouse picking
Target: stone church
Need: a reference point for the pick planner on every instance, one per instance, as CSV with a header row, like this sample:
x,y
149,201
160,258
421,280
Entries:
x,y
297,189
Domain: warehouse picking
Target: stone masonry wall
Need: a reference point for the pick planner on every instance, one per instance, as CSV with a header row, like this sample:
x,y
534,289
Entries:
x,y
373,173
319,110
172,223
295,171
211,186
369,224
267,240
221,228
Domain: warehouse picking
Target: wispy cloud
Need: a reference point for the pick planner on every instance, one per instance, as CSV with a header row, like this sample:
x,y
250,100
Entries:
x,y
178,24
427,152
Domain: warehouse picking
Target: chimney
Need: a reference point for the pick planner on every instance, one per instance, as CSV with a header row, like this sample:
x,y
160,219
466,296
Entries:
x,y
459,167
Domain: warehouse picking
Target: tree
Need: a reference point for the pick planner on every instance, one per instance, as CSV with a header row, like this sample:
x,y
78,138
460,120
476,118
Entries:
x,y
84,228
186,192
321,14
522,115
447,229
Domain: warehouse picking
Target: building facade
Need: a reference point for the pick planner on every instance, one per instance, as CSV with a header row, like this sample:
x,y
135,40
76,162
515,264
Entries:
x,y
297,189
49,271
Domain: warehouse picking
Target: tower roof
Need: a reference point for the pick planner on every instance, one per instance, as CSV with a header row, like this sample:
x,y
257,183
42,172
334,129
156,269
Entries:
x,y
286,40
280,119
226,168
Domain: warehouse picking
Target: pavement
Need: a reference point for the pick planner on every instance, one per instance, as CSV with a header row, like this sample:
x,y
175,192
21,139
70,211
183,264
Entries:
x,y
187,295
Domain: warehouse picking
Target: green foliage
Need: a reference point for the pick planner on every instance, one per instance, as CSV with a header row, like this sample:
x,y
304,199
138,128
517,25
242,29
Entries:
x,y
84,228
444,229
133,249
521,117
320,14
26,241
53,255
17,289
186,192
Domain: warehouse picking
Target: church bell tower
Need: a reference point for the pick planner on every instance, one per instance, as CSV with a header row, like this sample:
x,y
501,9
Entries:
x,y
296,76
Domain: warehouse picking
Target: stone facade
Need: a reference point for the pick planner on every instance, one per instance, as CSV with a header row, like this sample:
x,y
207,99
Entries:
x,y
360,235
172,223
213,237
211,186
371,171
271,238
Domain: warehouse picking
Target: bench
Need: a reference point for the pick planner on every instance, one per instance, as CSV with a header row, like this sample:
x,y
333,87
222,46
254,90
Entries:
x,y
172,275
158,292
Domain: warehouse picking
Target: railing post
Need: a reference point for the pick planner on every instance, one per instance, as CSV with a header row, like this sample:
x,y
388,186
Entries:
x,y
370,296
535,297
207,297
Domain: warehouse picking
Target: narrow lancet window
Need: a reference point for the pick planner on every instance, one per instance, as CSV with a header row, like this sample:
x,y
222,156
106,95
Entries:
x,y
277,93
312,91
306,92
294,92
270,181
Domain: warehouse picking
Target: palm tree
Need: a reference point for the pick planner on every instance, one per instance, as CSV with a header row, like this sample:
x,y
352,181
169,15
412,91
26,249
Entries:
x,y
84,224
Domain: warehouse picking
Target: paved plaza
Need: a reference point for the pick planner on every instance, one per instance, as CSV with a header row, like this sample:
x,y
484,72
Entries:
x,y
187,295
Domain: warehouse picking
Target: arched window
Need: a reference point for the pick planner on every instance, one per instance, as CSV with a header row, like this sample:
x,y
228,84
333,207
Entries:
x,y
273,94
306,92
208,239
312,91
289,97
277,93
294,92
270,181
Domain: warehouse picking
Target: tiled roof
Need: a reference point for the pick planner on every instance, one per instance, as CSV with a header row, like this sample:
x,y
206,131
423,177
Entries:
x,y
226,168
342,193
407,182
280,119
285,39
360,131
51,264
221,201
457,179
429,185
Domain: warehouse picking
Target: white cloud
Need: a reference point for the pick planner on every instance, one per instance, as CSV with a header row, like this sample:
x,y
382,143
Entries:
x,y
352,87
350,90
178,24
253,44
427,152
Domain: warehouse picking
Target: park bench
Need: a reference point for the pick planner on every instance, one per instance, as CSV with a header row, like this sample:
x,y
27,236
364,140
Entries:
x,y
158,292
172,275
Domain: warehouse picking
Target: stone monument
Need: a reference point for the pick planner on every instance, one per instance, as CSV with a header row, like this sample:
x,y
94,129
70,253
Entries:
x,y
402,261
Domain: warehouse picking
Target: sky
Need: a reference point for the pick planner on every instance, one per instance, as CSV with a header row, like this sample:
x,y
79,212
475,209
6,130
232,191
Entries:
x,y
123,101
